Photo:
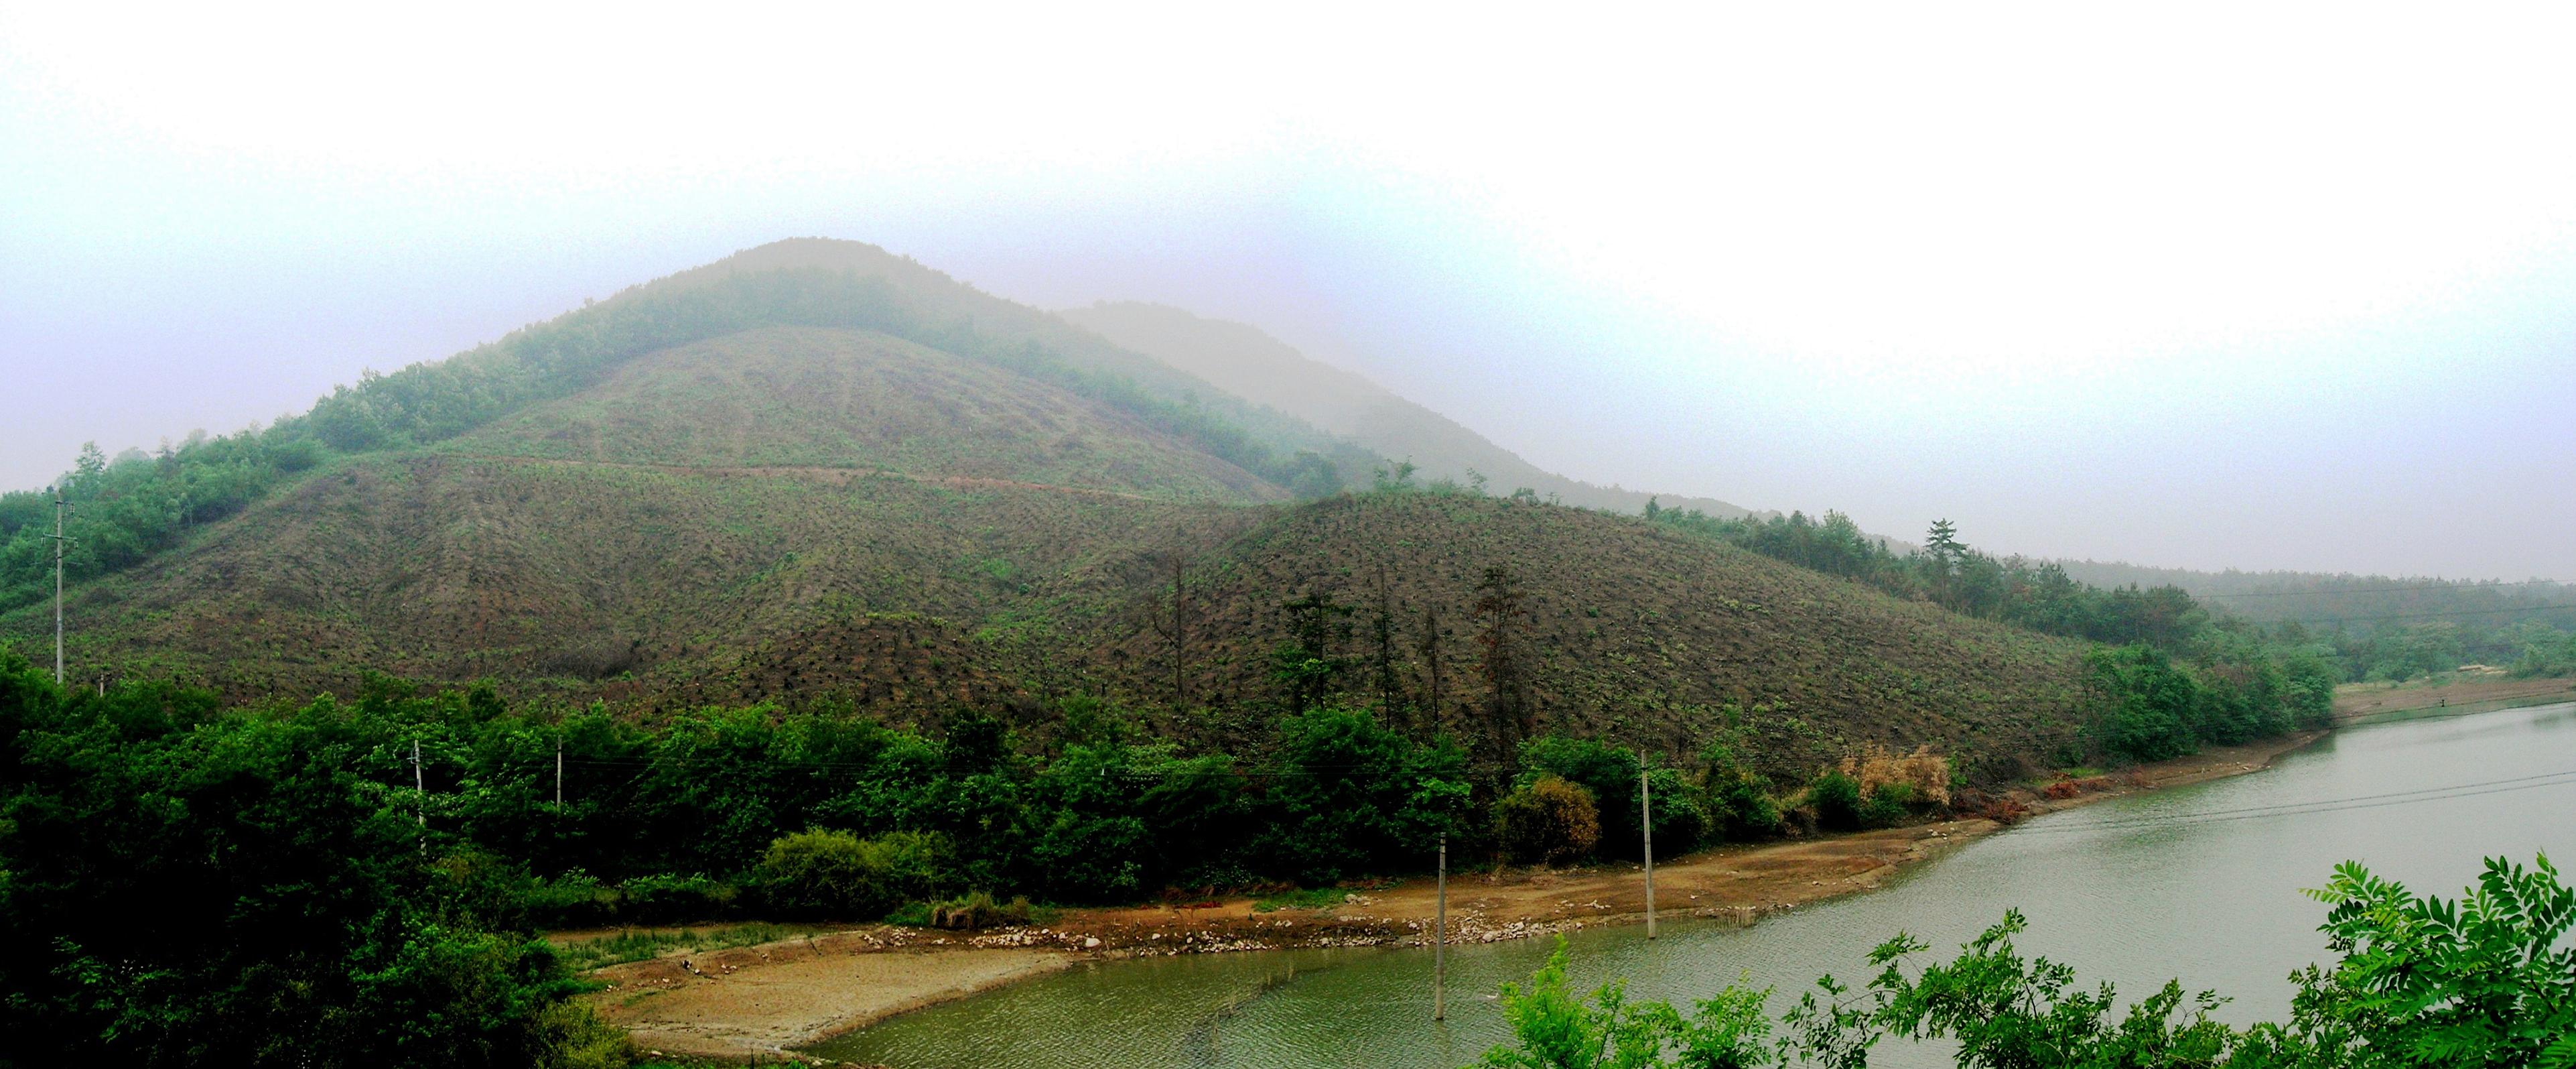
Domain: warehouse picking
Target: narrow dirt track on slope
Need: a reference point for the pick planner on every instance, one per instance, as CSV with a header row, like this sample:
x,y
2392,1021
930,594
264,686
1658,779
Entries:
x,y
824,473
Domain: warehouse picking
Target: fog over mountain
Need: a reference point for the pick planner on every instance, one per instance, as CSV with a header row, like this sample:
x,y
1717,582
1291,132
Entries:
x,y
2307,308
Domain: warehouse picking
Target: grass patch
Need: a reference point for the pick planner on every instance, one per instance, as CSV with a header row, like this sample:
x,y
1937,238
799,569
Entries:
x,y
1306,898
639,945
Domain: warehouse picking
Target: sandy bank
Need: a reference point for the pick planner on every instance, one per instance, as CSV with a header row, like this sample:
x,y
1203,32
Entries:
x,y
782,995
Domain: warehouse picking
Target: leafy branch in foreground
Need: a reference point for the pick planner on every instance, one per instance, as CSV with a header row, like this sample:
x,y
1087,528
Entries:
x,y
2484,981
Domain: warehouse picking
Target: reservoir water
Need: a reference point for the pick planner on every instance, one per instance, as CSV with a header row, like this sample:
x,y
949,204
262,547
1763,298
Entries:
x,y
2198,883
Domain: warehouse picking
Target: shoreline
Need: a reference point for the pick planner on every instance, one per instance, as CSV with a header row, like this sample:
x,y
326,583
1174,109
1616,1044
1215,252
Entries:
x,y
774,997
2363,702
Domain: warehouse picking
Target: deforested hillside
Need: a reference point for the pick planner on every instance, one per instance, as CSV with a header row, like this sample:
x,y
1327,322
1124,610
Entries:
x,y
864,402
1263,369
1615,628
696,508
784,479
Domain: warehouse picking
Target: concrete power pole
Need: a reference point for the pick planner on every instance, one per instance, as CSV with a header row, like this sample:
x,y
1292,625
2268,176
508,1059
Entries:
x,y
1646,819
420,788
558,773
1440,943
60,506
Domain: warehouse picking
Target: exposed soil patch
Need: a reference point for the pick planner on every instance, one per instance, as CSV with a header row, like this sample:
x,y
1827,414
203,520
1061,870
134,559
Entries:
x,y
796,992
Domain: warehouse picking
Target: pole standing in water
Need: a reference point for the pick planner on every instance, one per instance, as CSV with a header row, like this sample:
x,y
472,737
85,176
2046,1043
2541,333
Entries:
x,y
1440,937
1646,820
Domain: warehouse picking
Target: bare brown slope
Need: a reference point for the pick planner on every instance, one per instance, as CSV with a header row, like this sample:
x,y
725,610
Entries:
x,y
809,397
721,520
656,585
1638,632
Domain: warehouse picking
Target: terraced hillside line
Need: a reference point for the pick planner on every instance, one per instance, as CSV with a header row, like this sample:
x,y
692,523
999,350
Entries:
x,y
835,475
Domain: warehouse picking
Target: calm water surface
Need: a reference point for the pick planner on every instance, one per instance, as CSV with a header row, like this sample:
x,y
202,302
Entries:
x,y
2197,883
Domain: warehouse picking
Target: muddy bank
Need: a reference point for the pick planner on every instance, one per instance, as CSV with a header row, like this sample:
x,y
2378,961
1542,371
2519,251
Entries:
x,y
763,999
795,992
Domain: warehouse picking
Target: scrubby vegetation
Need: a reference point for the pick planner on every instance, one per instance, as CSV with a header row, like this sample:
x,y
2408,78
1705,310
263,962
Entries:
x,y
2486,980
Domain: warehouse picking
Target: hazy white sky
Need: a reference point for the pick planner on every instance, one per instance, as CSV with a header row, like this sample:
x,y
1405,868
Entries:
x,y
2192,286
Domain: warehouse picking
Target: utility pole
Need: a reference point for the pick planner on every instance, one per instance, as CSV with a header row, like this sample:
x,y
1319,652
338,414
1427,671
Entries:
x,y
558,772
60,506
1646,820
420,787
1440,944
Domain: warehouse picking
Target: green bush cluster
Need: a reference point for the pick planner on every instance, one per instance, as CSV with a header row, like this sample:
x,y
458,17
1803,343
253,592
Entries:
x,y
1836,800
833,875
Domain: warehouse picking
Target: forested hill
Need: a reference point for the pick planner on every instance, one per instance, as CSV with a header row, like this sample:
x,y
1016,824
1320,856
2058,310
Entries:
x,y
1263,369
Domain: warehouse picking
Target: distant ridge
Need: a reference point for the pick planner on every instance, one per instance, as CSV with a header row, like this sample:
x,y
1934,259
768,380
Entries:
x,y
1264,370
2342,598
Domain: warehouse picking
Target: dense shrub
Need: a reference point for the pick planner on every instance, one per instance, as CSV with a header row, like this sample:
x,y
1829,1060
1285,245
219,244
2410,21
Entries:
x,y
1888,805
1739,800
978,910
1547,820
1836,799
835,875
1681,819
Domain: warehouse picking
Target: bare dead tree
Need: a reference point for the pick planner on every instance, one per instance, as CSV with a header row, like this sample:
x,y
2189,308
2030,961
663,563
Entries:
x,y
1171,619
1390,689
1429,647
1498,613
